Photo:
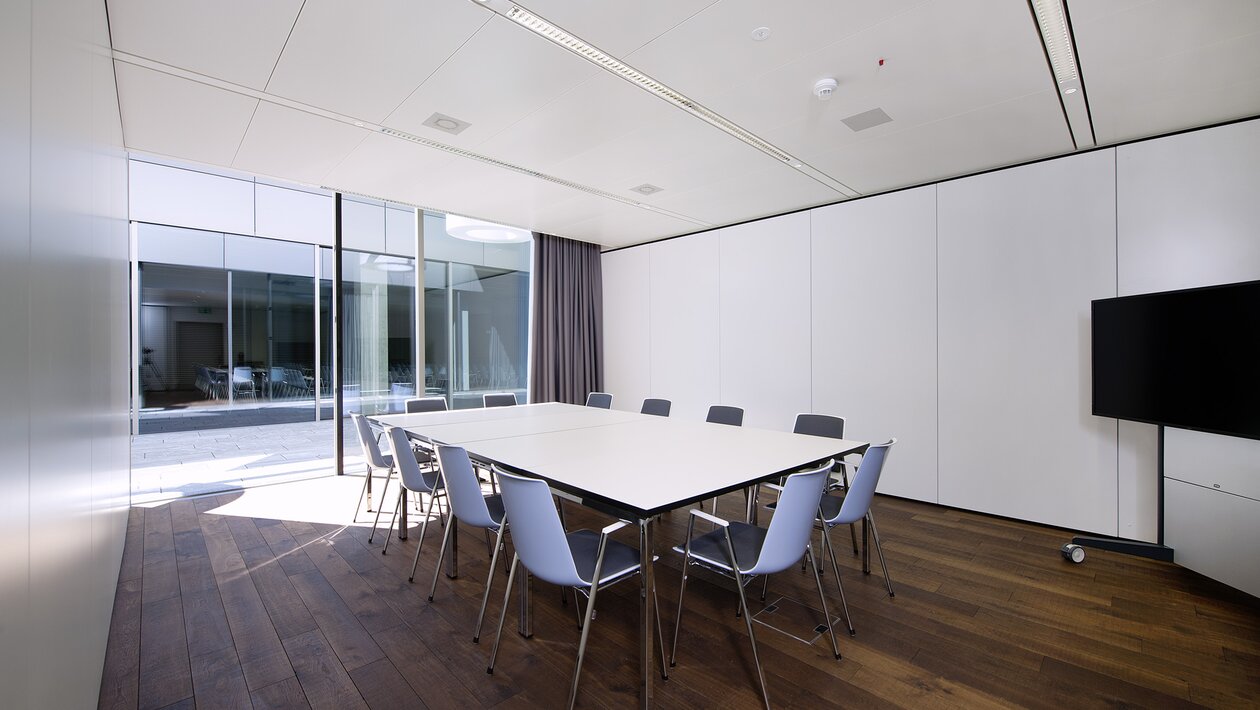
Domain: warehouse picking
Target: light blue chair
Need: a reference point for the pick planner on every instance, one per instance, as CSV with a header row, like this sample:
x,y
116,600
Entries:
x,y
499,399
375,461
603,400
584,560
413,481
469,505
853,505
743,551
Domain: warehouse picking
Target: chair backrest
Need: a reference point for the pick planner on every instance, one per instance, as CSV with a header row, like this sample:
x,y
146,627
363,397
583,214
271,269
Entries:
x,y
499,399
793,521
603,400
536,531
413,479
425,404
467,500
656,407
722,414
368,441
857,500
243,375
819,425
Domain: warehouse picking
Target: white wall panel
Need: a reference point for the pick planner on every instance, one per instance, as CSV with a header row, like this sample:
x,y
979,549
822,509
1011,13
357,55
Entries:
x,y
362,226
1187,215
400,232
683,280
764,292
874,329
165,195
627,332
293,215
175,245
15,241
1214,533
1021,254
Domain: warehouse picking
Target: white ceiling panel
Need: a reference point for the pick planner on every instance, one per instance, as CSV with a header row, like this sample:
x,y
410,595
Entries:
x,y
234,40
745,195
622,225
616,28
168,115
476,85
1002,134
389,167
288,143
928,75
598,110
363,59
1160,66
714,50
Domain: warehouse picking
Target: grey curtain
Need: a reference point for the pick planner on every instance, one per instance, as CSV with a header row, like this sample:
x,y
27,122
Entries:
x,y
568,355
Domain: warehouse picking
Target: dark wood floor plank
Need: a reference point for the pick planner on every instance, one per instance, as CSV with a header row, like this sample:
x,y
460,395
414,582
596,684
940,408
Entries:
x,y
260,652
285,695
323,677
338,624
986,615
288,613
165,676
120,678
218,680
383,687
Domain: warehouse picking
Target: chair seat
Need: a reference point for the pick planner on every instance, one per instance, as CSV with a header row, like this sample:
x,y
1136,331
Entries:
x,y
830,504
494,504
710,548
619,558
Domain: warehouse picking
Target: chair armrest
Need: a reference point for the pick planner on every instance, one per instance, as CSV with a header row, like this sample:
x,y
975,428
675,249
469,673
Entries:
x,y
614,527
711,518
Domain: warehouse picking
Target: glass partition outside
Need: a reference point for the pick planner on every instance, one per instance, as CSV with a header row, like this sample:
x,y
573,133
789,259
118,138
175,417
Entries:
x,y
379,296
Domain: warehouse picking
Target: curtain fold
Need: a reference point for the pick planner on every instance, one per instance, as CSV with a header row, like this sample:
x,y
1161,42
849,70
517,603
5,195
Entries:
x,y
568,351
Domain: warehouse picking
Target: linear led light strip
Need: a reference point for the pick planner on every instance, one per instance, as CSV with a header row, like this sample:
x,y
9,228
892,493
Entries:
x,y
535,174
1054,32
554,34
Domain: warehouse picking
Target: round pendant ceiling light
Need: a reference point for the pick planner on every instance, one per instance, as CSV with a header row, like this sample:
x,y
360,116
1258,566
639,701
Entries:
x,y
475,230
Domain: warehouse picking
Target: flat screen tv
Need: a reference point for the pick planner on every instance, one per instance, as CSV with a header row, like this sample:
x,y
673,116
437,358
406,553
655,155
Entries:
x,y
1187,359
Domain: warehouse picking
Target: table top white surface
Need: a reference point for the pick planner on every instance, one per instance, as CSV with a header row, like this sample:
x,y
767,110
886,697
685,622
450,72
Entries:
x,y
642,463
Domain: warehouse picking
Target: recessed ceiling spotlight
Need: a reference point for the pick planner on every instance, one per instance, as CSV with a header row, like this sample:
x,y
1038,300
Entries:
x,y
796,164
761,34
824,88
646,189
1070,90
442,122
359,124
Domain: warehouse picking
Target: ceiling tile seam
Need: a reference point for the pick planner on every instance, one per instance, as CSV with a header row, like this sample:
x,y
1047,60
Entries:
x,y
244,133
280,55
697,110
369,128
436,69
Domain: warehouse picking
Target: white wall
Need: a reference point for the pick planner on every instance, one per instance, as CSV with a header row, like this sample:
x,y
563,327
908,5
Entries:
x,y
64,354
953,316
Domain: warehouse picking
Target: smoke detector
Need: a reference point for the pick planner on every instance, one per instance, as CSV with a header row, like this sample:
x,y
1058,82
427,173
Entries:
x,y
824,88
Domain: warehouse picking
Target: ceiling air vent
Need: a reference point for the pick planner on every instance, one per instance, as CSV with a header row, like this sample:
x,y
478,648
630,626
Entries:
x,y
867,119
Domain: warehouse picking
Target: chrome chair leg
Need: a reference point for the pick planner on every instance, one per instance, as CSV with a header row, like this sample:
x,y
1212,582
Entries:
x,y
586,625
362,495
822,599
743,603
880,551
765,584
424,525
682,590
835,570
437,568
507,597
402,494
660,634
485,597
384,490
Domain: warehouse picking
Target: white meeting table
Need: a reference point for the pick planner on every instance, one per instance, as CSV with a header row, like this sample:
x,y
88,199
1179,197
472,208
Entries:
x,y
638,464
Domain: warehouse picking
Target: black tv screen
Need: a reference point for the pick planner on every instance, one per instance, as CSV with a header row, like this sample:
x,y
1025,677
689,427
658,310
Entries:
x,y
1187,359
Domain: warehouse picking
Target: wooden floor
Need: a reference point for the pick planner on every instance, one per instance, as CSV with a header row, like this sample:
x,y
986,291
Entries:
x,y
219,611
